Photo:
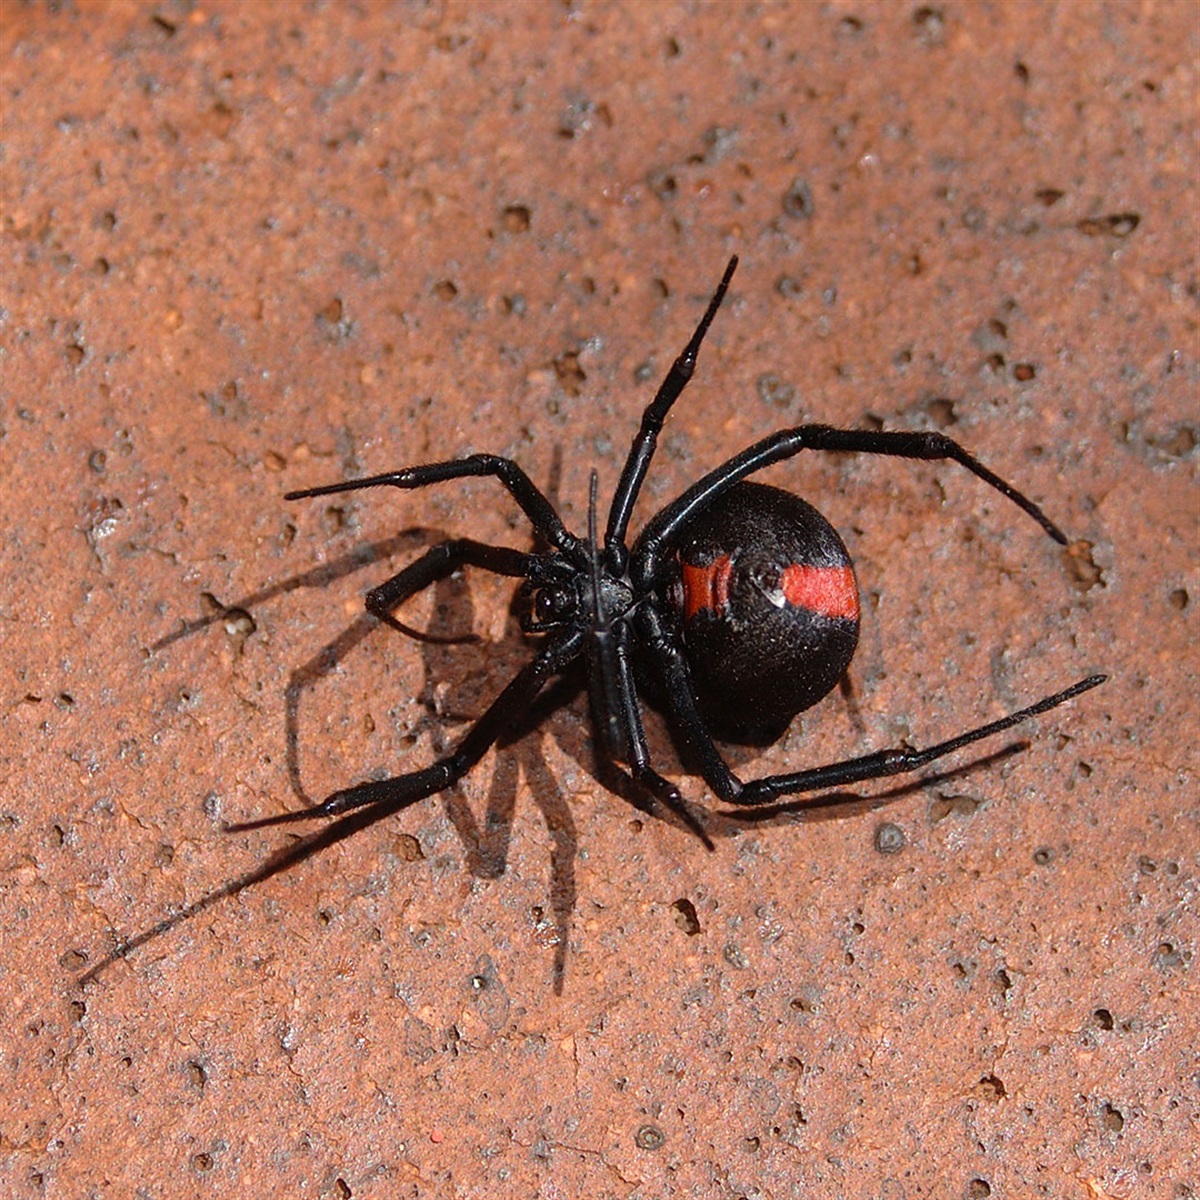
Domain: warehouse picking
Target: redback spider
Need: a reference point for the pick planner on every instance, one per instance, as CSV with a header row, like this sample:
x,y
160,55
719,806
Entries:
x,y
737,608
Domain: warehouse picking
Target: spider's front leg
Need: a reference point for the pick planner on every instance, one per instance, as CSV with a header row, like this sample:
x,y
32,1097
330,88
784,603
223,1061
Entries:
x,y
531,500
437,563
645,442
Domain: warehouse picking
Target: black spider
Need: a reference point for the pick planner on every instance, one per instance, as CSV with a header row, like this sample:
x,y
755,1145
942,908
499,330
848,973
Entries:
x,y
736,608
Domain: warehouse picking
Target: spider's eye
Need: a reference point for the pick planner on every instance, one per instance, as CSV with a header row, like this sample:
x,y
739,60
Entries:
x,y
551,604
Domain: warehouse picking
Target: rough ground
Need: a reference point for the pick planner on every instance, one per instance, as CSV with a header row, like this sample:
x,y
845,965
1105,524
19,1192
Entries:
x,y
252,248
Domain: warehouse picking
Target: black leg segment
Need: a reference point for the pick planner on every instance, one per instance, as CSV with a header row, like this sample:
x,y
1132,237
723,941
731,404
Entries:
x,y
658,538
390,795
646,440
437,563
533,503
896,762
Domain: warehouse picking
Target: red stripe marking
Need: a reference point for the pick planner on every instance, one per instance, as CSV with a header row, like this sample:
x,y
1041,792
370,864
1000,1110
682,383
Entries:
x,y
830,591
706,587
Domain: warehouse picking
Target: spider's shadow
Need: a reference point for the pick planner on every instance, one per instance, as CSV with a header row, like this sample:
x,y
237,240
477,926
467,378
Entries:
x,y
486,842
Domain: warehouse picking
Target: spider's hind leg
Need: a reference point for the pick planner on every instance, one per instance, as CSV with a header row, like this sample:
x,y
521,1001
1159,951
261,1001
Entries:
x,y
385,796
884,763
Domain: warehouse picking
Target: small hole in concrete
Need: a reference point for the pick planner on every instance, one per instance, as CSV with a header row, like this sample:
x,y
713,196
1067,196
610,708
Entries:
x,y
798,200
930,24
74,960
662,183
571,376
649,1137
1168,955
685,916
941,412
516,218
408,849
1119,225
776,392
889,838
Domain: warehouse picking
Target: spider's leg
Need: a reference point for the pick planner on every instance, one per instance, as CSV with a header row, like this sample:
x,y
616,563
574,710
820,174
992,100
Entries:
x,y
436,563
667,655
894,762
657,539
387,796
646,440
533,503
610,714
636,754
615,713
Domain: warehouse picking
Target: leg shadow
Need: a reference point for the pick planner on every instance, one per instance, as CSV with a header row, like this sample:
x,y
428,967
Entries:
x,y
486,844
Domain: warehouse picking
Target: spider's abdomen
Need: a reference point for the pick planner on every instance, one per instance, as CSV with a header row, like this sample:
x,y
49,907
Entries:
x,y
768,602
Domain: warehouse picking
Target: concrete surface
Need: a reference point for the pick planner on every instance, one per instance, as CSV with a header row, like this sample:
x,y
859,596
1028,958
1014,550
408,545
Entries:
x,y
253,248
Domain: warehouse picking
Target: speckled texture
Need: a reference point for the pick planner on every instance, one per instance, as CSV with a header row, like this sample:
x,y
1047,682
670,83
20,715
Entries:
x,y
252,248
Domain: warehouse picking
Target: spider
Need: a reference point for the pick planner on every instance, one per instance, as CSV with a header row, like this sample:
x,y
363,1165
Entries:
x,y
735,609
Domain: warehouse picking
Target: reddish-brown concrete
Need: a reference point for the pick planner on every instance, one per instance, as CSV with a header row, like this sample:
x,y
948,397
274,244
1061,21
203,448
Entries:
x,y
249,248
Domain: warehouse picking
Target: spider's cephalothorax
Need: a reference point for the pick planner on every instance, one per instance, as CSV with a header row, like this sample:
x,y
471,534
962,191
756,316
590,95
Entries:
x,y
737,607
